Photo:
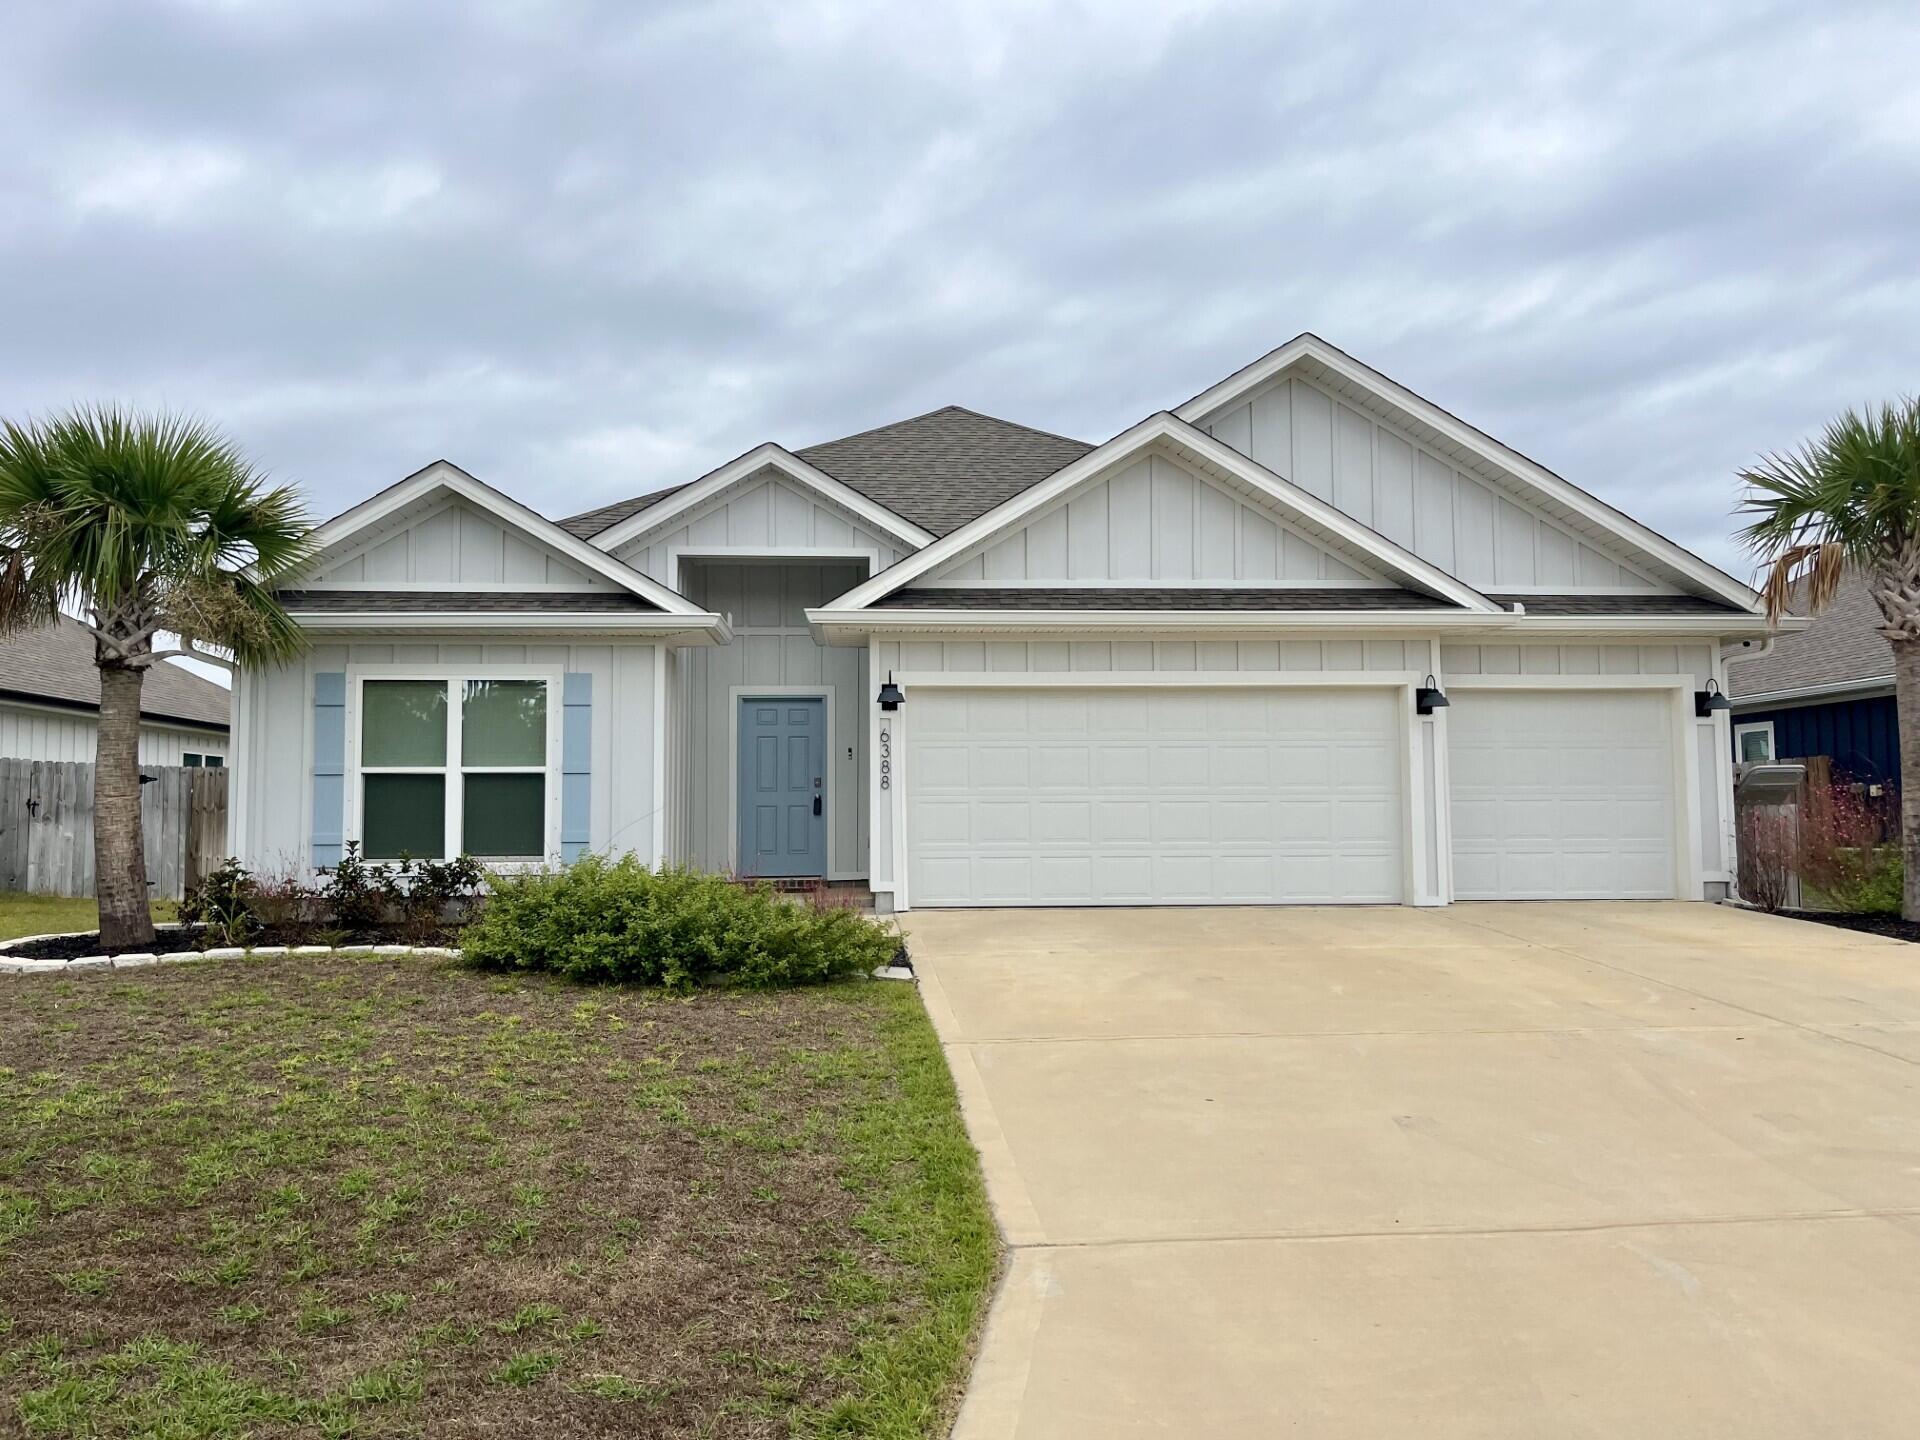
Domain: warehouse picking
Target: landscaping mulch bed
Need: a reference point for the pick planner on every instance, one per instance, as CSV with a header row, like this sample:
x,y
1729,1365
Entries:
x,y
390,1196
198,937
1891,926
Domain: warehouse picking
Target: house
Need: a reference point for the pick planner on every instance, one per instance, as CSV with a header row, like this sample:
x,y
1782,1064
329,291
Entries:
x,y
1305,637
50,701
1825,690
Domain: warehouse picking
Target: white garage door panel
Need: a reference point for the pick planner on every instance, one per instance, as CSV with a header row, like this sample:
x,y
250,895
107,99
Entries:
x,y
1562,794
1123,797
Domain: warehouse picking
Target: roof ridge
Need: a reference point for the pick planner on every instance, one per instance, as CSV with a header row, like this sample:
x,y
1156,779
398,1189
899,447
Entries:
x,y
928,415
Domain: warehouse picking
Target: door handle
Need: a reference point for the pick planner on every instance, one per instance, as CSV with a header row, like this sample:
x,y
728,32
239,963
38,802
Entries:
x,y
816,804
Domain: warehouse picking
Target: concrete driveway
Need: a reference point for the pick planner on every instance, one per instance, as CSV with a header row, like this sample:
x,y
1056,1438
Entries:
x,y
1496,1170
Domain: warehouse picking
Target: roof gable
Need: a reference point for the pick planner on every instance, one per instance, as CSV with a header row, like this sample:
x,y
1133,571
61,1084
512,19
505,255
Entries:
x,y
1153,520
1197,454
745,470
440,527
1547,525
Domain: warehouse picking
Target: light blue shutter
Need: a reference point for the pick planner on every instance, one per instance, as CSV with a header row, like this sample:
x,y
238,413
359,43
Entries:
x,y
576,767
329,766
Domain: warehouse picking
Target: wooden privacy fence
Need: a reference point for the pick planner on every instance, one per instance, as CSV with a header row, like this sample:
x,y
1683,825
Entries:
x,y
46,826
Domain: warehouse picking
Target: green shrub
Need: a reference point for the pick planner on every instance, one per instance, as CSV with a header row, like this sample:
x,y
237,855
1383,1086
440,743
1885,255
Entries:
x,y
617,921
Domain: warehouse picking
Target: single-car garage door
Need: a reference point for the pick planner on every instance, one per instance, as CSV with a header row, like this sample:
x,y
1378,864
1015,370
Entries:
x,y
1164,796
1562,794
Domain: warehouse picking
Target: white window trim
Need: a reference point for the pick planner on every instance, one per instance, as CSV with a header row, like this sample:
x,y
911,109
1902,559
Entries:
x,y
554,678
1764,727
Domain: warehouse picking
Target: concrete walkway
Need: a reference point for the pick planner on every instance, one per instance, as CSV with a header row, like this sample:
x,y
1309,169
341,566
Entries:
x,y
1547,1170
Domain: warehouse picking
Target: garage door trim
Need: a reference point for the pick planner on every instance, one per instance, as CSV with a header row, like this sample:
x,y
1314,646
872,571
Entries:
x,y
1418,788
1687,880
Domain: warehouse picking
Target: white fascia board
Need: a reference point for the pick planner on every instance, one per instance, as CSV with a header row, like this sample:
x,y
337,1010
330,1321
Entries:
x,y
1624,527
1316,514
1157,621
840,619
445,475
761,457
1861,689
702,626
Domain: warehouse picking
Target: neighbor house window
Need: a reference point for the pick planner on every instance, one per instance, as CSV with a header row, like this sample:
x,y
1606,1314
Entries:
x,y
193,760
457,765
1754,743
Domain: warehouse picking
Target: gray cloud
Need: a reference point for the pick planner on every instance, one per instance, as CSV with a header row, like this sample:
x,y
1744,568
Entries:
x,y
587,250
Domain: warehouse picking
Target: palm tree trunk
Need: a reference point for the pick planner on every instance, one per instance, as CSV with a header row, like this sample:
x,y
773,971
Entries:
x,y
1906,680
119,848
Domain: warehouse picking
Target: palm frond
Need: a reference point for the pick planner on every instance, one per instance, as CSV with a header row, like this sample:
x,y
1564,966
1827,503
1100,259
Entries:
x,y
126,513
1852,497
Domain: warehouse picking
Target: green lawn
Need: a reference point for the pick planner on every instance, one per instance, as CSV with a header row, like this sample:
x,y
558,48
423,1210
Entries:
x,y
387,1196
52,914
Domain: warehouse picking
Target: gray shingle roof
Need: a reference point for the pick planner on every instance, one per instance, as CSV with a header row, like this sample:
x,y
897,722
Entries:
x,y
1843,644
938,470
944,468
54,664
1160,599
434,602
1616,604
589,523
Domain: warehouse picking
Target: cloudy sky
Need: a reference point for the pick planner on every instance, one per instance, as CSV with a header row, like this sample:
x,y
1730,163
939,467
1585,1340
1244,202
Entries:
x,y
588,250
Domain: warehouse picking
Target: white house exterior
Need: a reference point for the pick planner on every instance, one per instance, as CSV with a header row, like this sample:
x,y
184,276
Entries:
x,y
1184,666
50,703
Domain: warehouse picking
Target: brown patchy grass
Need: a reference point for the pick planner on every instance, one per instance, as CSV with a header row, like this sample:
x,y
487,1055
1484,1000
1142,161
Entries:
x,y
383,1196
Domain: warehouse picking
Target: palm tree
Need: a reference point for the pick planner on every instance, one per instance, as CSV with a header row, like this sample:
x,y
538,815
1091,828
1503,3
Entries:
x,y
146,526
1852,498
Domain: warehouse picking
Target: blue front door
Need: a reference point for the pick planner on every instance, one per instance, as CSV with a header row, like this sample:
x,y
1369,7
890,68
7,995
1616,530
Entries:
x,y
783,786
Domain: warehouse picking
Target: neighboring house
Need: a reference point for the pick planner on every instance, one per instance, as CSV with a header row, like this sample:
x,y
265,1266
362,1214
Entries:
x,y
1826,690
1184,666
50,701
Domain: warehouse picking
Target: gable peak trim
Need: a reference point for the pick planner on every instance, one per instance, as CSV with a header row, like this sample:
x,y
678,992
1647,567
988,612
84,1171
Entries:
x,y
445,475
1306,510
767,455
1642,540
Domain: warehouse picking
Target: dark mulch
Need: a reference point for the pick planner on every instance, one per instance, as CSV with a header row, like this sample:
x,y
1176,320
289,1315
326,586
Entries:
x,y
389,1196
198,937
1891,926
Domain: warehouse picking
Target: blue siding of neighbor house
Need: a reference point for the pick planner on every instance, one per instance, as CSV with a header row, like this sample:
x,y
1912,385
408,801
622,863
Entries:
x,y
1862,736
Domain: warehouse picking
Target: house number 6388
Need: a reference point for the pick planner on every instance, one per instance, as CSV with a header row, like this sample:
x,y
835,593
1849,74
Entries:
x,y
886,759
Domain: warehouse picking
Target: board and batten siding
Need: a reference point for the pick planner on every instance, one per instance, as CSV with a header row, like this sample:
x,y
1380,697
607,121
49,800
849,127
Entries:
x,y
32,732
772,646
1697,661
1412,495
456,544
273,710
1044,658
1152,521
761,512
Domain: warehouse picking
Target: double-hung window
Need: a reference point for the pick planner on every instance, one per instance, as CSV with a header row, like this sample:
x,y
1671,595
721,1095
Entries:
x,y
455,765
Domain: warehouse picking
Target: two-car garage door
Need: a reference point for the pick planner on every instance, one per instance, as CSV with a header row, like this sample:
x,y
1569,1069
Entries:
x,y
1154,796
1173,796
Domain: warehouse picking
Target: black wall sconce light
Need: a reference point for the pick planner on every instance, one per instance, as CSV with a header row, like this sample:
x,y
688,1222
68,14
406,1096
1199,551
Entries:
x,y
890,694
1429,698
1707,701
